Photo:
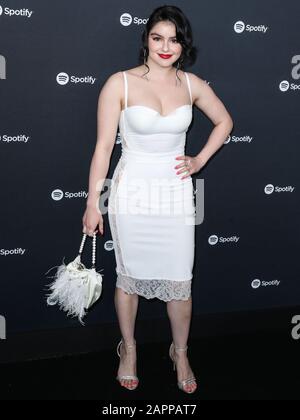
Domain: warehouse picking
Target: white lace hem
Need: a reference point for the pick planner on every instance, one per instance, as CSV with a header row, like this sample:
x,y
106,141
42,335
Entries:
x,y
162,289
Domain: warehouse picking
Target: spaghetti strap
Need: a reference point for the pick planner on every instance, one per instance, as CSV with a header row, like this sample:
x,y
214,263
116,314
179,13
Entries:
x,y
126,88
189,87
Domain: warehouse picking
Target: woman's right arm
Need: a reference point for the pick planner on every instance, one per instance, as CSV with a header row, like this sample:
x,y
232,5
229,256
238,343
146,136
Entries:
x,y
108,114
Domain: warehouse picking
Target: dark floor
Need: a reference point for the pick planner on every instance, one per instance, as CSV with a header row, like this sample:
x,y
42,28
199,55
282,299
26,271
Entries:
x,y
260,366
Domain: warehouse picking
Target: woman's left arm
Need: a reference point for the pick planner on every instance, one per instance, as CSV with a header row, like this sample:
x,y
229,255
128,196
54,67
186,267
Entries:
x,y
208,102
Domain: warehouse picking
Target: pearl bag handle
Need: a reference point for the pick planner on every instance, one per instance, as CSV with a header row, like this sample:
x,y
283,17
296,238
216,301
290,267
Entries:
x,y
93,250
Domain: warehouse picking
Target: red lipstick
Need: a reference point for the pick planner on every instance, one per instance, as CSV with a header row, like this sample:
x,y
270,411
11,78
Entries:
x,y
165,56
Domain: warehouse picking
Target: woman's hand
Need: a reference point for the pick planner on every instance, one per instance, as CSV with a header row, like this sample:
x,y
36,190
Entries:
x,y
91,219
189,166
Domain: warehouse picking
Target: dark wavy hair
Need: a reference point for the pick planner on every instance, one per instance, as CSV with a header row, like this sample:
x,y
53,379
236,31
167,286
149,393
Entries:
x,y
183,33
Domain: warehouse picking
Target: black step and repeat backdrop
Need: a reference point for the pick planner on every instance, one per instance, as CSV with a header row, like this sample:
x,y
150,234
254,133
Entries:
x,y
55,57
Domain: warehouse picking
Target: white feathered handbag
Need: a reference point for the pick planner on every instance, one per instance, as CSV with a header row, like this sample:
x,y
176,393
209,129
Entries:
x,y
76,288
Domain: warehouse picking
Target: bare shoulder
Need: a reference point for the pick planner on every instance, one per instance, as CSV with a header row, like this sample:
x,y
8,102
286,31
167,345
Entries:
x,y
136,71
112,88
196,80
207,100
195,77
199,86
114,80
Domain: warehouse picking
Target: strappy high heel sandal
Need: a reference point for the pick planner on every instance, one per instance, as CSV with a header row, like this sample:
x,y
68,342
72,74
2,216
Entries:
x,y
191,380
124,377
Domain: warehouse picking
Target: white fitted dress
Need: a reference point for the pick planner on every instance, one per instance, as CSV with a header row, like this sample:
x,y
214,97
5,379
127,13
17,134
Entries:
x,y
151,211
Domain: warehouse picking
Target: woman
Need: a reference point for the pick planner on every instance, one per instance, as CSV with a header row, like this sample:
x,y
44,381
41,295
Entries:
x,y
152,105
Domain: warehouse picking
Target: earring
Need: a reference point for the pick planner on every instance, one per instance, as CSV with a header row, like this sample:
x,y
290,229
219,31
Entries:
x,y
146,77
179,62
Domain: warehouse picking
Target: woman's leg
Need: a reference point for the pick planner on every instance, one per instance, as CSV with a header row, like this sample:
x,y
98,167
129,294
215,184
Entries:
x,y
179,312
126,307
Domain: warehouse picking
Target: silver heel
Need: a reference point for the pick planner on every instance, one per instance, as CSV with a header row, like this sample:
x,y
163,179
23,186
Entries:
x,y
171,355
122,377
191,380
